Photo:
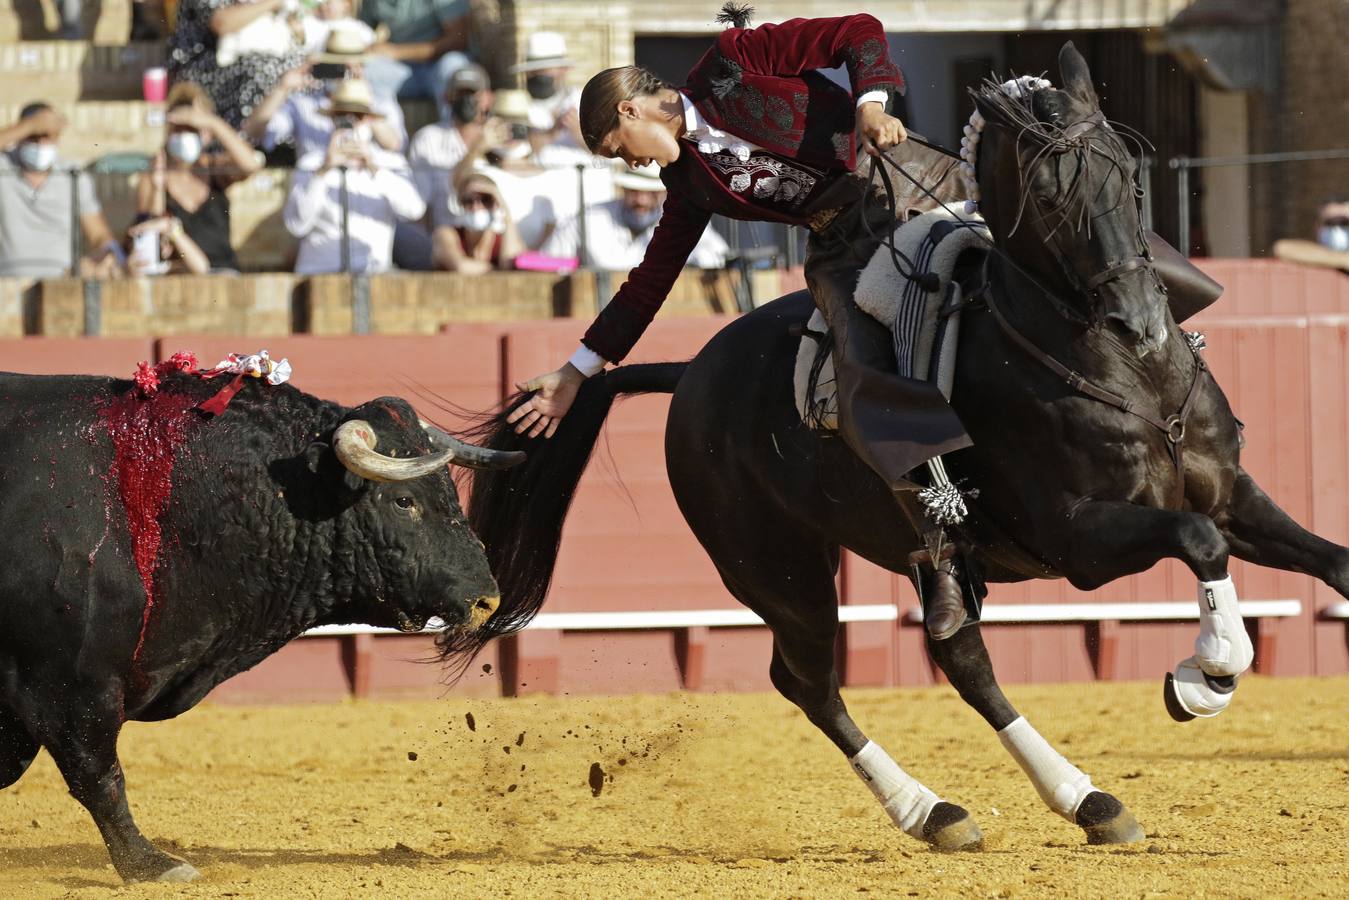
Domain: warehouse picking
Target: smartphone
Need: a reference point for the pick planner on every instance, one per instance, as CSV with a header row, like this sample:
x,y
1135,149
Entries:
x,y
329,71
519,131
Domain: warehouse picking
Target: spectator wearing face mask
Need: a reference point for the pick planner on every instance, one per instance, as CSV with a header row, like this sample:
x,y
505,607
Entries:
x,y
427,43
1331,247
379,192
37,195
618,231
295,110
554,105
484,236
188,178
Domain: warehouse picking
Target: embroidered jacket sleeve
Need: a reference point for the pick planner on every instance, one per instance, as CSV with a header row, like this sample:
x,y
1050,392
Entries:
x,y
800,45
621,323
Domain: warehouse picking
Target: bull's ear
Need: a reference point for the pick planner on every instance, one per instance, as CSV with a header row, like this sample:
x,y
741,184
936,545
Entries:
x,y
1076,76
317,452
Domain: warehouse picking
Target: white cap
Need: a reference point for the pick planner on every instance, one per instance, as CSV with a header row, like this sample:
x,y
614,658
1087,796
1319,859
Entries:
x,y
647,178
544,50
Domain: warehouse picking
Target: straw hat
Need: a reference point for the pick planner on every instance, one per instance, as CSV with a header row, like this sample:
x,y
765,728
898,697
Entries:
x,y
512,105
352,96
344,45
544,50
647,178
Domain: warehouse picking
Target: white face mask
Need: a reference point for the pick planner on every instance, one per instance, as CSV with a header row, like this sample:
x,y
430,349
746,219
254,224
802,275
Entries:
x,y
37,157
479,219
185,146
1336,237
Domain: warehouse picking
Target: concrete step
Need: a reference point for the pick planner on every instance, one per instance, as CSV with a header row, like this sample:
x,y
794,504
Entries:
x,y
106,22
99,127
66,71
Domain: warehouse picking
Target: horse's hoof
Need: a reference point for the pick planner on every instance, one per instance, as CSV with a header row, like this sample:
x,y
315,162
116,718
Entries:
x,y
950,827
1173,707
1106,820
180,873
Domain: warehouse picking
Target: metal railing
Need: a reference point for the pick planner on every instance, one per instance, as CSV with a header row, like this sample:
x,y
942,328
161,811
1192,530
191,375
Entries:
x,y
1184,164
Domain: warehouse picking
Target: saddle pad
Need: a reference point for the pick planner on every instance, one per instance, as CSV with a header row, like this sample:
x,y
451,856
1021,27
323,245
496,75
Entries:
x,y
933,242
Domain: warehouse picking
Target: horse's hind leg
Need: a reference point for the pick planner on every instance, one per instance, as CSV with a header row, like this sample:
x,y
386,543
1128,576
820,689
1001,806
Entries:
x,y
788,580
1258,531
1064,788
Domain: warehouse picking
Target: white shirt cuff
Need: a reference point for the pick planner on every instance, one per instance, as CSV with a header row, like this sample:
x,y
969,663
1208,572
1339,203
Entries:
x,y
872,97
587,361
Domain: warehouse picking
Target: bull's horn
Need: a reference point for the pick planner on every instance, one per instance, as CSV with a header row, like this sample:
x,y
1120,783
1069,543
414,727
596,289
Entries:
x,y
354,443
470,455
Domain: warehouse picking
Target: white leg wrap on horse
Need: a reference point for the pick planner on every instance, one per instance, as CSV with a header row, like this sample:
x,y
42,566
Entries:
x,y
1223,646
907,801
1194,693
1060,784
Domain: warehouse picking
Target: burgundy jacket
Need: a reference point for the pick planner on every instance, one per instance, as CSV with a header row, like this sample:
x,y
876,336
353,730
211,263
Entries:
x,y
760,85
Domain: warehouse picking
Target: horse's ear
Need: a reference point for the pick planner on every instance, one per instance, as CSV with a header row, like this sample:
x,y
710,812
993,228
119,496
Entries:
x,y
1075,75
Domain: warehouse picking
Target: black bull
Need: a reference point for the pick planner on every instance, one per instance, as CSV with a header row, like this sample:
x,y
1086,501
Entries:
x,y
150,553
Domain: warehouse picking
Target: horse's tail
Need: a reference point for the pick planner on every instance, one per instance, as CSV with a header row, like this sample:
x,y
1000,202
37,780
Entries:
x,y
518,512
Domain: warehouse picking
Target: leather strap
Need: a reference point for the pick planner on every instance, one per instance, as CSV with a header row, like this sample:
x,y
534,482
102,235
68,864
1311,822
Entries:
x,y
1173,427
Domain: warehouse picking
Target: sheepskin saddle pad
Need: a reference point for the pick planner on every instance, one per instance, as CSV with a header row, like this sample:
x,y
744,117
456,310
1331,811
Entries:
x,y
917,310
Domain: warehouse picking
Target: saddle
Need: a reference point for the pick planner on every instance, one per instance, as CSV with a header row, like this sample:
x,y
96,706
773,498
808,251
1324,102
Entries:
x,y
921,309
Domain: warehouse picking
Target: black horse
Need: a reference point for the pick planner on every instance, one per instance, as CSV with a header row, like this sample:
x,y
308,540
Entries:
x,y
1080,393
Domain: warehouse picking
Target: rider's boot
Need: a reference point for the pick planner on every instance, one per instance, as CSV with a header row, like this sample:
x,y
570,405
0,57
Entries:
x,y
934,572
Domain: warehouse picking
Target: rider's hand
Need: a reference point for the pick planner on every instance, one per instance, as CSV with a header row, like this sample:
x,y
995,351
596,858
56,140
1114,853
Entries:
x,y
879,130
541,414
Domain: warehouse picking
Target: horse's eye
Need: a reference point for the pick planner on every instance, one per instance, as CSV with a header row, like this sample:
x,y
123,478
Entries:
x,y
404,502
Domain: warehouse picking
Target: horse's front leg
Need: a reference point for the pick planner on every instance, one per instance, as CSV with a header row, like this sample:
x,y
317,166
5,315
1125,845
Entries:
x,y
1259,531
1106,540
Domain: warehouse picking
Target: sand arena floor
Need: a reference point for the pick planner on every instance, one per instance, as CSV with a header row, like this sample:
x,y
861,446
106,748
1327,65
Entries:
x,y
716,796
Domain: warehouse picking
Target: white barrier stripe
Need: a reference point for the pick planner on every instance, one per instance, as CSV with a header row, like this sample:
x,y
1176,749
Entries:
x,y
1336,610
1119,612
879,612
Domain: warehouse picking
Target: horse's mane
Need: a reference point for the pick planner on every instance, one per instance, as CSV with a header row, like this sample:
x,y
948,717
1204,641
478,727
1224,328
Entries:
x,y
1034,113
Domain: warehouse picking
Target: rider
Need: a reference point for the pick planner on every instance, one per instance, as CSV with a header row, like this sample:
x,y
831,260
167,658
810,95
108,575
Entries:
x,y
757,134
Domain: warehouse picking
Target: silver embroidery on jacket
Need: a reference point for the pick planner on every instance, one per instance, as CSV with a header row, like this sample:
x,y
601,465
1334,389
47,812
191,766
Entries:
x,y
765,177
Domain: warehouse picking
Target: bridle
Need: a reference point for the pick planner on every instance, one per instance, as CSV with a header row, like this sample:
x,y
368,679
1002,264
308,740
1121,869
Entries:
x,y
1172,427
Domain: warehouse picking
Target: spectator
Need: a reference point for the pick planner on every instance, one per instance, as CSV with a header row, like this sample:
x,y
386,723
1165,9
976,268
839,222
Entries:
x,y
239,82
378,191
439,147
294,110
427,42
37,190
484,237
201,157
538,198
554,106
618,231
1331,247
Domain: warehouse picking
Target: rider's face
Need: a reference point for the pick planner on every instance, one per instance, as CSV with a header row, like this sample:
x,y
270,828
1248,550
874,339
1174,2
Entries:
x,y
642,136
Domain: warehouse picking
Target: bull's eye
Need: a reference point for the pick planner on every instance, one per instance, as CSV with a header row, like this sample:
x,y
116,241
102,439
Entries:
x,y
404,502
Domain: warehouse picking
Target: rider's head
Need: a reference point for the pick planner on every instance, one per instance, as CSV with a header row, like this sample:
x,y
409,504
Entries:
x,y
629,114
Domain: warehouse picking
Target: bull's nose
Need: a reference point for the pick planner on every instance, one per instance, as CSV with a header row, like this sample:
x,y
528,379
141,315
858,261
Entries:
x,y
481,609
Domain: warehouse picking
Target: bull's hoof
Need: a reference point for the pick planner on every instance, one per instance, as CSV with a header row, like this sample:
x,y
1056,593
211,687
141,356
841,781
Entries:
x,y
1106,820
1173,707
164,868
950,827
180,873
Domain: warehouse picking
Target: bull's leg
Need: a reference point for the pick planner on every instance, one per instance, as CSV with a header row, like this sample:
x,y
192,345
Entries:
x,y
788,580
1259,532
1106,540
17,747
1062,786
81,736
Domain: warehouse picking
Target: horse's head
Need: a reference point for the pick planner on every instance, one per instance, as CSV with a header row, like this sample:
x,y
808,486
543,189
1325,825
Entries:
x,y
1057,188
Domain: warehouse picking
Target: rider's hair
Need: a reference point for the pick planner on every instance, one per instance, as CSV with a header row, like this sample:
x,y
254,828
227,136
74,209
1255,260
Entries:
x,y
603,93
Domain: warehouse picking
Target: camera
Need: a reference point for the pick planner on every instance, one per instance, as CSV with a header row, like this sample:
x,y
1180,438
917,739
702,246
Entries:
x,y
344,122
519,131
